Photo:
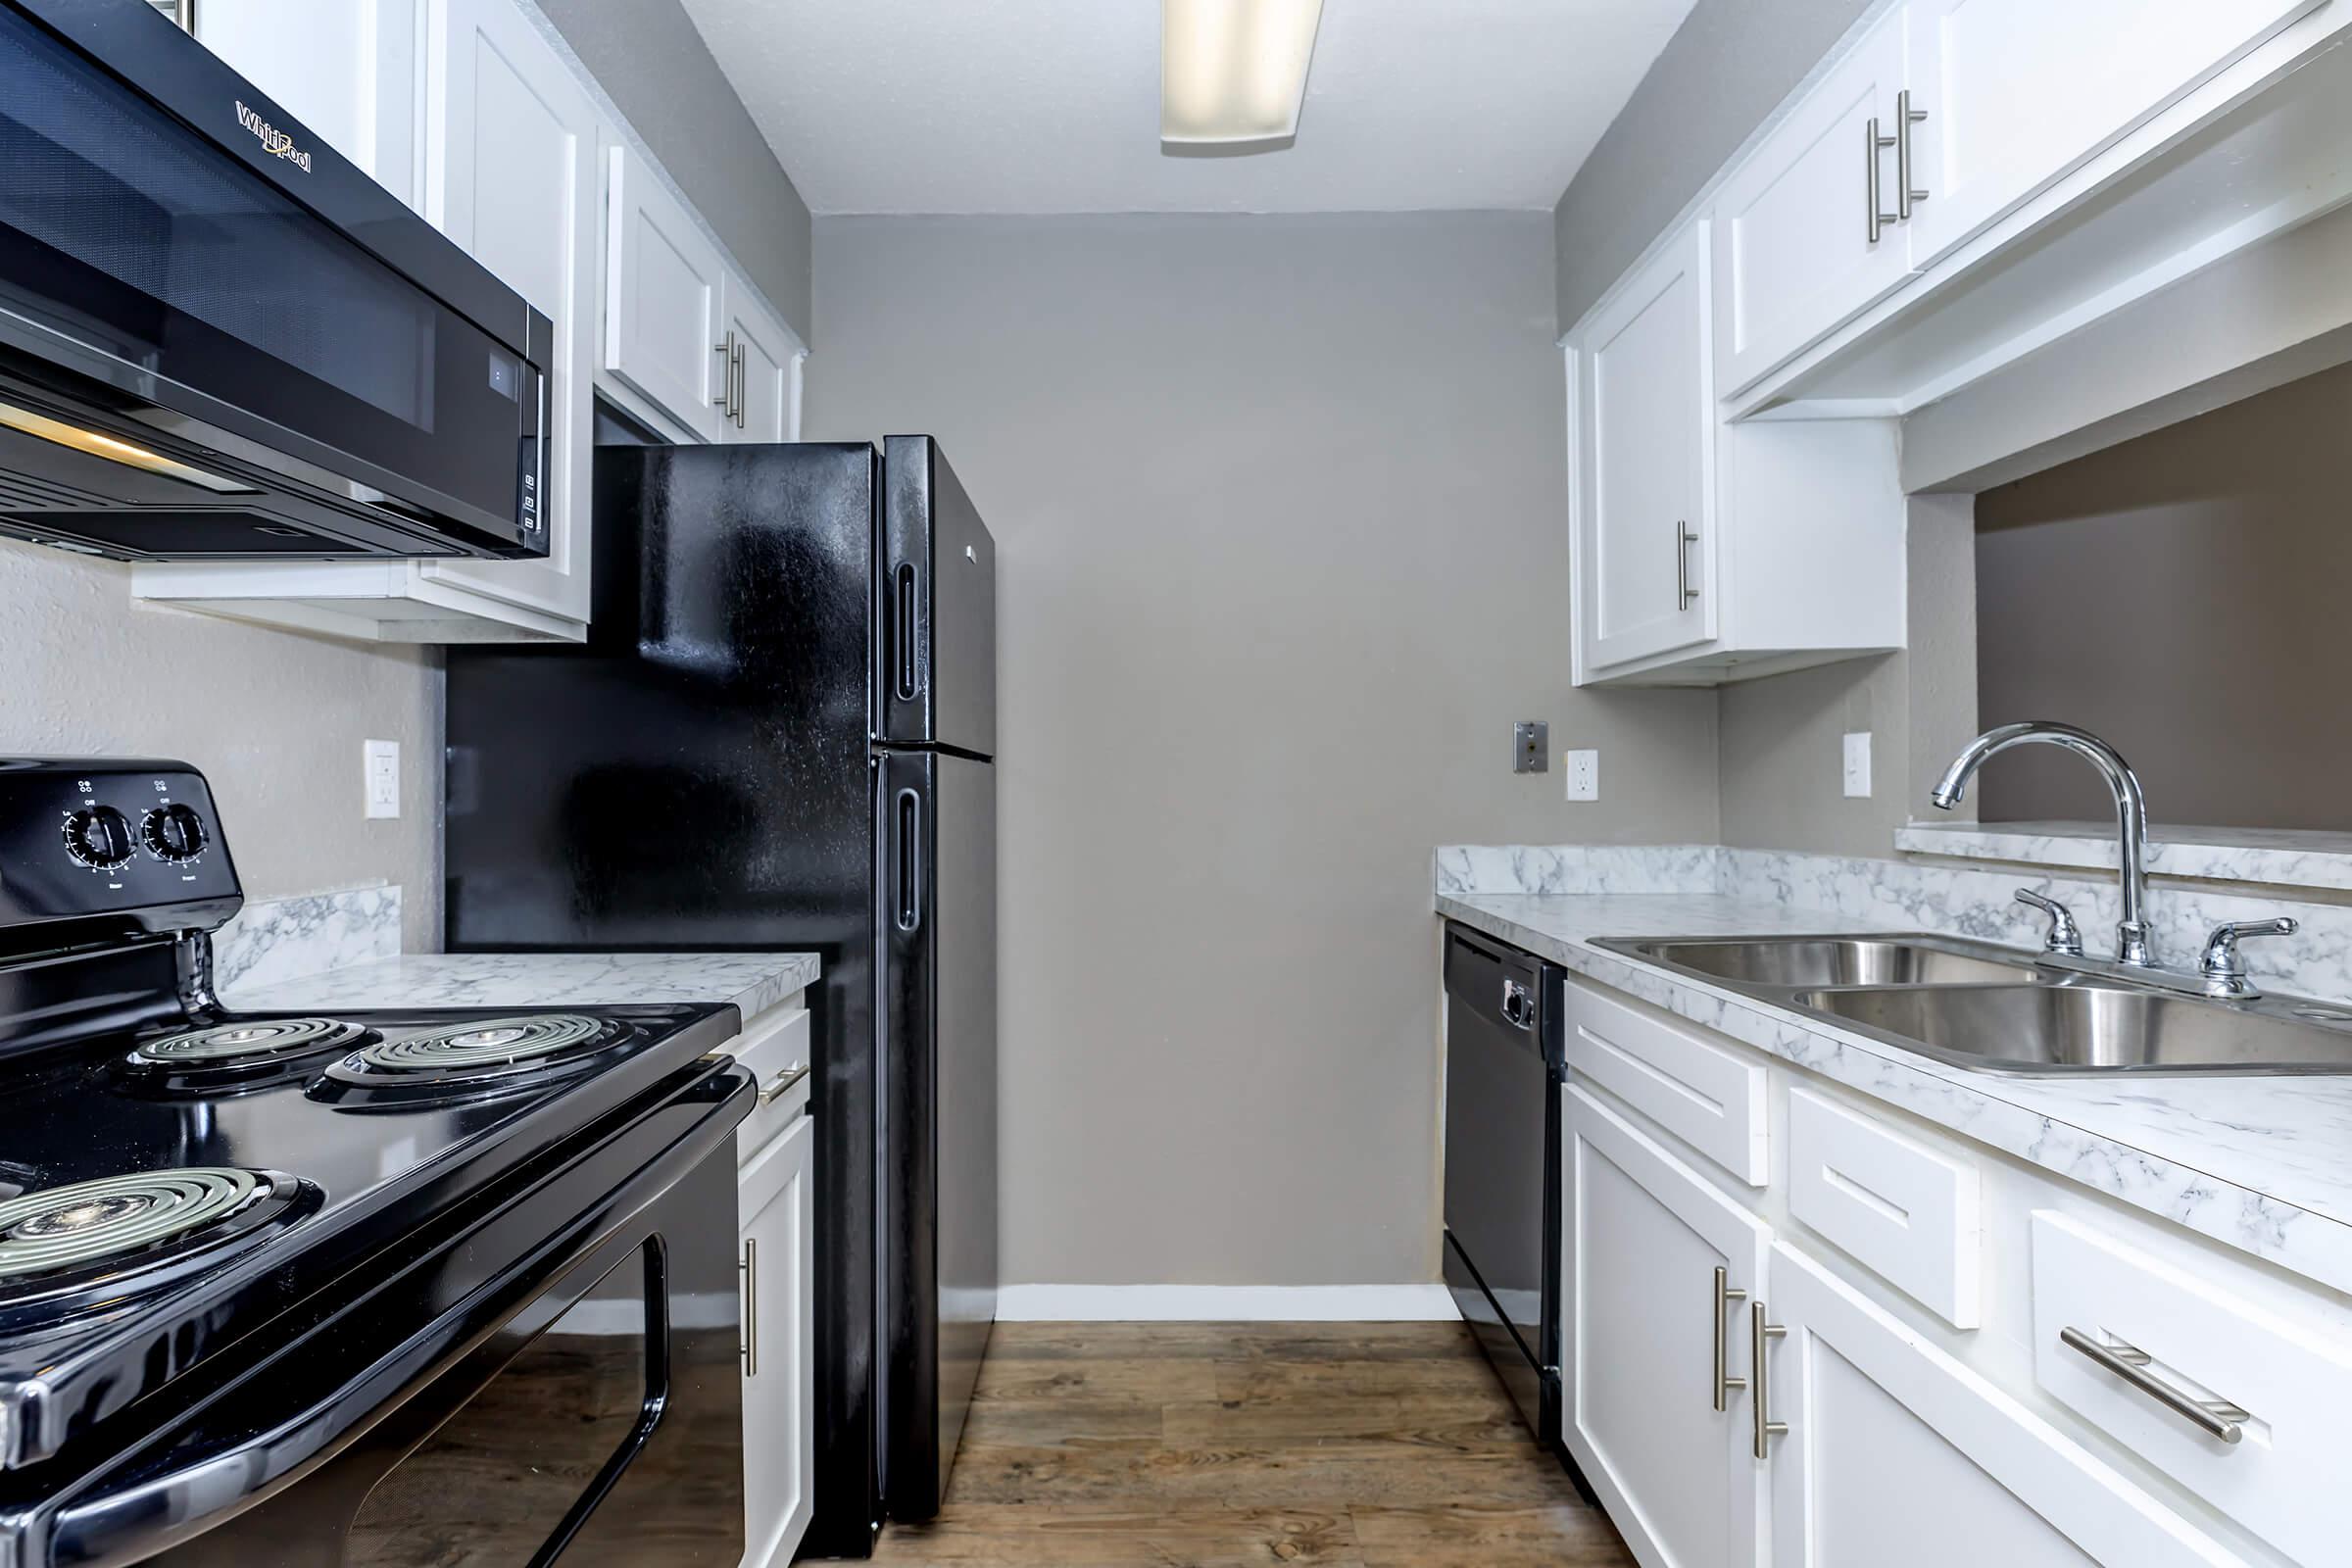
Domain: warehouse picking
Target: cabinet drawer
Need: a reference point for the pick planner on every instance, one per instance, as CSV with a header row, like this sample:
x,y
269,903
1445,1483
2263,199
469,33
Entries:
x,y
2291,1378
1900,1208
1709,1097
773,1049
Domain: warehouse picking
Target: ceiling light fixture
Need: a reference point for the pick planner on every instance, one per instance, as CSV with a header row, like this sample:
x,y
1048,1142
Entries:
x,y
1233,72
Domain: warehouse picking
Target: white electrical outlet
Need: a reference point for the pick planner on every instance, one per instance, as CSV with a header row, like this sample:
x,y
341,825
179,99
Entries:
x,y
1584,774
379,763
1857,764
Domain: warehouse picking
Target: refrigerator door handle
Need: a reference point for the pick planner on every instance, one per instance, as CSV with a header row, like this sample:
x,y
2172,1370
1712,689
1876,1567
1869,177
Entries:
x,y
911,860
903,632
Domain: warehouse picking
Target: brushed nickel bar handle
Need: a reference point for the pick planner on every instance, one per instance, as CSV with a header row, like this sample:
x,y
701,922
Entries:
x,y
783,1083
749,1267
726,372
1760,1337
743,382
1683,540
1906,115
1878,218
1726,1293
2215,1418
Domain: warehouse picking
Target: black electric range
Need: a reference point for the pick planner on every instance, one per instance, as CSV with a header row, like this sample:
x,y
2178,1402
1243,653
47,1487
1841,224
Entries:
x,y
383,1288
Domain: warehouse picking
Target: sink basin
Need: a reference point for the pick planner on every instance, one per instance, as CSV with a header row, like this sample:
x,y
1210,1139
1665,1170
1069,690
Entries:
x,y
1789,963
2071,1026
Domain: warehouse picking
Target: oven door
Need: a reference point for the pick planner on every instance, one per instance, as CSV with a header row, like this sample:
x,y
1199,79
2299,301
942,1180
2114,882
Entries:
x,y
204,349
581,1405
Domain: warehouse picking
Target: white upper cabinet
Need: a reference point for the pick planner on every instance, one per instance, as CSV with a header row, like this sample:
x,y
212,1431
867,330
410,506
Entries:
x,y
2012,93
509,147
1700,550
1808,231
1971,183
663,282
1644,496
766,357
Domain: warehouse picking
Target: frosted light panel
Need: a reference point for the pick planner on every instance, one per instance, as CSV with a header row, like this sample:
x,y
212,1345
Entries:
x,y
1234,71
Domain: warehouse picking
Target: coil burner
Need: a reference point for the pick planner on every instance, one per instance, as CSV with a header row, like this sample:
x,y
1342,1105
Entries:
x,y
490,1055
240,1055
61,1240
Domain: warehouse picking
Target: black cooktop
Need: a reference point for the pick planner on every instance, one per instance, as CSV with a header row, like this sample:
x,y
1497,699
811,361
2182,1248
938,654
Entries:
x,y
217,1181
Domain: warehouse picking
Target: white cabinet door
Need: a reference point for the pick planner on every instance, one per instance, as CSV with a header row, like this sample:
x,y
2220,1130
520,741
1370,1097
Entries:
x,y
775,1198
1644,448
2015,92
1644,1236
348,73
1896,1453
768,371
1794,252
663,335
509,154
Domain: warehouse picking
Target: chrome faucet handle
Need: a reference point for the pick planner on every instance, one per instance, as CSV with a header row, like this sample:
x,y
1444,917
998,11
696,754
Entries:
x,y
2224,969
2065,937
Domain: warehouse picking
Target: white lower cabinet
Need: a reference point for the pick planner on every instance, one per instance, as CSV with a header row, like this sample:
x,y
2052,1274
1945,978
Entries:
x,y
1649,1245
775,1195
1753,1378
1896,1452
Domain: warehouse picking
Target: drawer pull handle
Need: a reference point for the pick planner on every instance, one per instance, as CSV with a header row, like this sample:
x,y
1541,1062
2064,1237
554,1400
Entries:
x,y
2215,1418
1724,1294
783,1083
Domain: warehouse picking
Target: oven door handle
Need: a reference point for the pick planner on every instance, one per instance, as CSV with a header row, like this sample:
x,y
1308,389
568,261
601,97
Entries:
x,y
272,1426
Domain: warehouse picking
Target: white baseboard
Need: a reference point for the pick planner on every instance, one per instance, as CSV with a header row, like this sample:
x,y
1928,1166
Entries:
x,y
1224,1304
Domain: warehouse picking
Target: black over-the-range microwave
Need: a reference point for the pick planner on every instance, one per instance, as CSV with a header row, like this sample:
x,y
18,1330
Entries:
x,y
220,340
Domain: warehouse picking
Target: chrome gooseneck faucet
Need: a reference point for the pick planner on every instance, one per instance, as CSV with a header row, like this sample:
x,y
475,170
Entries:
x,y
2130,814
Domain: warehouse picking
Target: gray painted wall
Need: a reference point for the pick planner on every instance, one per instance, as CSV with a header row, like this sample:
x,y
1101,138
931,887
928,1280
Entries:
x,y
1726,68
1280,515
273,719
2181,594
1782,756
650,58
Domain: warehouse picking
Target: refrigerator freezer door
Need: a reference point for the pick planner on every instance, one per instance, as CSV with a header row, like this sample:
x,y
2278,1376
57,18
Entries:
x,y
937,918
936,605
698,776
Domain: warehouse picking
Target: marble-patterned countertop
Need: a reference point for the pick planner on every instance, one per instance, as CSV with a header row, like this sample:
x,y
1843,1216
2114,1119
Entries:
x,y
752,981
2260,1163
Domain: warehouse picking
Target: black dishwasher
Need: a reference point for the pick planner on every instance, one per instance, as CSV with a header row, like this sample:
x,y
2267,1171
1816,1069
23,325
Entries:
x,y
1503,1068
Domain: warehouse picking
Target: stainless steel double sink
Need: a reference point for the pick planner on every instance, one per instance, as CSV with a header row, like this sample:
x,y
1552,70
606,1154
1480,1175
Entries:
x,y
1999,1009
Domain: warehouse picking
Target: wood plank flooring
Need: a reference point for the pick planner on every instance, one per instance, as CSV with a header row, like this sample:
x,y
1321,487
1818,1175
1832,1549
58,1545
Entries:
x,y
1240,1445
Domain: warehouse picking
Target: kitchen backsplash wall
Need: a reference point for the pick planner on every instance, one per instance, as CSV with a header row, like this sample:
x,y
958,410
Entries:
x,y
285,939
274,719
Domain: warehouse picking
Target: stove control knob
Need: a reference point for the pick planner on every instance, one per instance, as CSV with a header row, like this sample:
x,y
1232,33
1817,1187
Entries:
x,y
99,836
172,833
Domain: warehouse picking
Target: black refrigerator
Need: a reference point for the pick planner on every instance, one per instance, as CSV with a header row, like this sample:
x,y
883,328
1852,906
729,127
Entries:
x,y
781,735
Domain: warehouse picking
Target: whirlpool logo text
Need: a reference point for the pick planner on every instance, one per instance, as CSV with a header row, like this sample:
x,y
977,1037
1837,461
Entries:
x,y
275,142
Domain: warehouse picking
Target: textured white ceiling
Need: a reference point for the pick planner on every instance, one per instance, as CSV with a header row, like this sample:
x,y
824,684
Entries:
x,y
1052,106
